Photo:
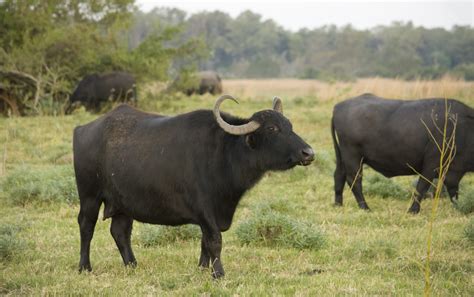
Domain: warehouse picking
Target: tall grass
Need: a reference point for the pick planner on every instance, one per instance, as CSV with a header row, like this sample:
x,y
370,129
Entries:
x,y
447,150
389,88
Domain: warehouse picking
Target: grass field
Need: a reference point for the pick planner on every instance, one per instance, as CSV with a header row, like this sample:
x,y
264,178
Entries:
x,y
378,253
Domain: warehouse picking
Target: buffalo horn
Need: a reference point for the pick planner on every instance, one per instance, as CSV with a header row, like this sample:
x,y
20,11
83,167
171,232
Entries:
x,y
277,105
233,129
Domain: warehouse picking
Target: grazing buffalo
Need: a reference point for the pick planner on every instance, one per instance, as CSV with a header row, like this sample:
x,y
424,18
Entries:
x,y
198,83
191,168
95,89
391,137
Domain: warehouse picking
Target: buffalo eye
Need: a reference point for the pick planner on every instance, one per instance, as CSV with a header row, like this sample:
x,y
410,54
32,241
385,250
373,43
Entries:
x,y
272,129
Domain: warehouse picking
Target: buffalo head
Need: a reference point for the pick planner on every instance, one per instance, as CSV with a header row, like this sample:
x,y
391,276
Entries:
x,y
269,135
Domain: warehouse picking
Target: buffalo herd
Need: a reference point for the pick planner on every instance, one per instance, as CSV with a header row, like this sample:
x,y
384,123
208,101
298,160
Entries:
x,y
194,168
95,89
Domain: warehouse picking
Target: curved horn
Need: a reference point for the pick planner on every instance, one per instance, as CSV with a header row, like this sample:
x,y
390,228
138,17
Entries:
x,y
232,129
277,105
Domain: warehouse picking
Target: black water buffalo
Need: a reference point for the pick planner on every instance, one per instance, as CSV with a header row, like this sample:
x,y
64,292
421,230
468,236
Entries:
x,y
95,89
209,82
191,168
389,136
198,83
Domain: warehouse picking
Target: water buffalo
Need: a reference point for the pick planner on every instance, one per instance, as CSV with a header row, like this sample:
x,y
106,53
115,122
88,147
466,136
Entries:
x,y
95,89
390,136
198,83
192,168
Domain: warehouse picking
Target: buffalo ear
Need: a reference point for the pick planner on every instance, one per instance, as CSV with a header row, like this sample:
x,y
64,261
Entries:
x,y
277,105
250,141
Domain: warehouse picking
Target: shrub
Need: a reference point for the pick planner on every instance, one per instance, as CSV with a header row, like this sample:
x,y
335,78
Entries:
x,y
27,184
465,203
469,231
10,244
152,235
378,185
269,228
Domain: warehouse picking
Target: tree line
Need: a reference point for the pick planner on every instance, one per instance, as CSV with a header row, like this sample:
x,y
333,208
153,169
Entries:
x,y
249,46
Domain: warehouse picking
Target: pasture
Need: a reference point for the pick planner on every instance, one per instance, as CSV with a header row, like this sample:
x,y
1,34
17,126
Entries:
x,y
339,250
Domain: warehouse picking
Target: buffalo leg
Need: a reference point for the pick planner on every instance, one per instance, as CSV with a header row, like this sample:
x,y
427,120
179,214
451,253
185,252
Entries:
x,y
205,258
421,188
212,240
121,230
354,180
89,211
339,181
452,184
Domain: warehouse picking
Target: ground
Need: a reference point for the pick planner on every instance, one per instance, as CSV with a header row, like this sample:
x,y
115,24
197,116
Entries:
x,y
382,252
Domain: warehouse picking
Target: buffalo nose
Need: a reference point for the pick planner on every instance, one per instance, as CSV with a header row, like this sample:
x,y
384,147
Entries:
x,y
308,154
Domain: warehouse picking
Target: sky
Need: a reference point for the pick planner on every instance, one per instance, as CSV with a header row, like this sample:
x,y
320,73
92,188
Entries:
x,y
294,15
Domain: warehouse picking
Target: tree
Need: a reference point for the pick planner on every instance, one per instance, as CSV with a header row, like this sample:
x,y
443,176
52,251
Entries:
x,y
58,42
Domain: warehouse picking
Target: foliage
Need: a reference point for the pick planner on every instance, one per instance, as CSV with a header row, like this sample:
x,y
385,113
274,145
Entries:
x,y
270,228
250,46
153,235
27,184
64,41
10,244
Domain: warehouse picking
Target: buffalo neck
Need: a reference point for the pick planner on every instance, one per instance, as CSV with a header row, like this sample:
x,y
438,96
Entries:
x,y
240,171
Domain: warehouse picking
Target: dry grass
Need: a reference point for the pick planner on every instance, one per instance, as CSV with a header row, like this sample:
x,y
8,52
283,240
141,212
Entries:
x,y
389,88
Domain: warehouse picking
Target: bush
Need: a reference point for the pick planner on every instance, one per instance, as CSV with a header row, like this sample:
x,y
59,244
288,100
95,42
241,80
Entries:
x,y
269,228
378,185
28,184
10,244
152,235
469,231
465,203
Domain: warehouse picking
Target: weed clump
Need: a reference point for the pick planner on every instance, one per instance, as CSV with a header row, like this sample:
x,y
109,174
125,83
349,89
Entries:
x,y
153,235
469,231
27,184
270,228
465,204
10,244
377,185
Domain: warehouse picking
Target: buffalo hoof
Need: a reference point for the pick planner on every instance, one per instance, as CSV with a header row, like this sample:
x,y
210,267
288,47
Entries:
x,y
364,206
203,265
217,274
414,209
338,204
85,267
131,264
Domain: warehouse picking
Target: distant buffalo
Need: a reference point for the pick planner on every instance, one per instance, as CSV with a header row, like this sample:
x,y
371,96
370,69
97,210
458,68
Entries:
x,y
191,168
390,136
199,83
94,89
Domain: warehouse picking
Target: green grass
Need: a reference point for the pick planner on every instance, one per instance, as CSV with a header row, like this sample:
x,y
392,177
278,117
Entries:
x,y
27,184
10,243
381,252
